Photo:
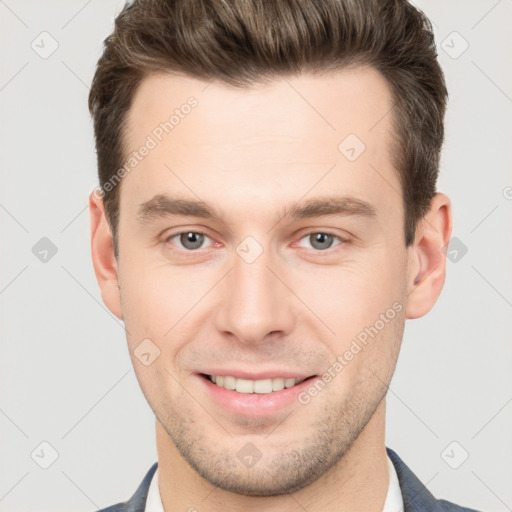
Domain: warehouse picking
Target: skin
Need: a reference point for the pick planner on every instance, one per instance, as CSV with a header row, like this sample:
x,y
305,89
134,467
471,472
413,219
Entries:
x,y
252,154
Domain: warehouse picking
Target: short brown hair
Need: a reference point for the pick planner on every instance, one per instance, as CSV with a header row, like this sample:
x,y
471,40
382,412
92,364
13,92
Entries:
x,y
245,42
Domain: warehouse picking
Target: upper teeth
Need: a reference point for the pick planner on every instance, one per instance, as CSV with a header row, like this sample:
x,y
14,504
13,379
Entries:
x,y
253,386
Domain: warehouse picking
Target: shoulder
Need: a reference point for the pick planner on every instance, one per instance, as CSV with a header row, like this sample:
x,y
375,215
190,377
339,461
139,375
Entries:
x,y
119,507
415,495
447,506
137,502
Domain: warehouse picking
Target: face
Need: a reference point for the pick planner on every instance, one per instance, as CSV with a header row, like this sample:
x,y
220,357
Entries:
x,y
257,241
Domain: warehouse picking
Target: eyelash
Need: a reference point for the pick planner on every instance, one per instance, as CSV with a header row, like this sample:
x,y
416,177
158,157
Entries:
x,y
329,250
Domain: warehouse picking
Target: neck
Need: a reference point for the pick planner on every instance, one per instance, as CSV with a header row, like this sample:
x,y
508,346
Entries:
x,y
358,482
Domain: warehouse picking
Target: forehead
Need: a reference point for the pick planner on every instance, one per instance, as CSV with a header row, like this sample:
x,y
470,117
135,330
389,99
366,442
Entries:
x,y
263,141
334,102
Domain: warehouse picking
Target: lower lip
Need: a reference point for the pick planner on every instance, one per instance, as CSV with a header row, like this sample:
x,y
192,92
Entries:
x,y
254,404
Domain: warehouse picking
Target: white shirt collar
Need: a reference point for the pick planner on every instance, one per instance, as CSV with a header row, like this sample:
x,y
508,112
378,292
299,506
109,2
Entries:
x,y
393,502
154,502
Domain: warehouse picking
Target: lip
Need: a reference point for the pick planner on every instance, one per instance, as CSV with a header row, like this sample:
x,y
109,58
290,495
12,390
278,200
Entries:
x,y
254,405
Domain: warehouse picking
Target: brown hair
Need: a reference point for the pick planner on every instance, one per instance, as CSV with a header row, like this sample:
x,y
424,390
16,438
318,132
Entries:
x,y
245,42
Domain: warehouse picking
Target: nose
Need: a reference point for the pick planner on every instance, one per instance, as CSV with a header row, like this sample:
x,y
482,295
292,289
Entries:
x,y
256,304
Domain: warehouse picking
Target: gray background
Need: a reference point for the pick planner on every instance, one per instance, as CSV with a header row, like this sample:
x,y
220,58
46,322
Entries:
x,y
65,373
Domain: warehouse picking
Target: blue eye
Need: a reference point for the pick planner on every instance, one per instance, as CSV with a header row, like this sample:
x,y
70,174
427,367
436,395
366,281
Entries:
x,y
321,241
189,240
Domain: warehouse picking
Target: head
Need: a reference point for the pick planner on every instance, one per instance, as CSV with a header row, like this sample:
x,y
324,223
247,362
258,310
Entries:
x,y
314,129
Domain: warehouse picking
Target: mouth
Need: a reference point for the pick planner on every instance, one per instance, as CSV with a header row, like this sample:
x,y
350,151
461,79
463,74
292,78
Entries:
x,y
249,386
263,397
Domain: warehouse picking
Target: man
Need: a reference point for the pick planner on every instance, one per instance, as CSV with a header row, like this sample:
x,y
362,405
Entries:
x,y
267,220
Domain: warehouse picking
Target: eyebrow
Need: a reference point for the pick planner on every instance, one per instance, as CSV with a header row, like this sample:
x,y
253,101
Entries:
x,y
162,206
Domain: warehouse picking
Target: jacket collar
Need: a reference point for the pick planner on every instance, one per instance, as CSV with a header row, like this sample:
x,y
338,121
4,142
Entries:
x,y
416,497
137,503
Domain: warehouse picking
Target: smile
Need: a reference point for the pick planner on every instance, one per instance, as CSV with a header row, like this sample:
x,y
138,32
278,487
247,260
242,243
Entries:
x,y
253,386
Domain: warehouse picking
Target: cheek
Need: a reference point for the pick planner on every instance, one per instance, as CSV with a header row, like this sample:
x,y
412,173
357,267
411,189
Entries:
x,y
349,296
156,296
364,361
360,305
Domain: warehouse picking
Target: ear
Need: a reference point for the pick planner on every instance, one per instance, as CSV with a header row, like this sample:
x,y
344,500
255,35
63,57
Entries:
x,y
103,258
427,257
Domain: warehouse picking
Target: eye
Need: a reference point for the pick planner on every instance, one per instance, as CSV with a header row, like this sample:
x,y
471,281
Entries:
x,y
189,240
321,241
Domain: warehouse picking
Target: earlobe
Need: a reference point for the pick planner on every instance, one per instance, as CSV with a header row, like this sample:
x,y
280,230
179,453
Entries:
x,y
427,257
103,258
